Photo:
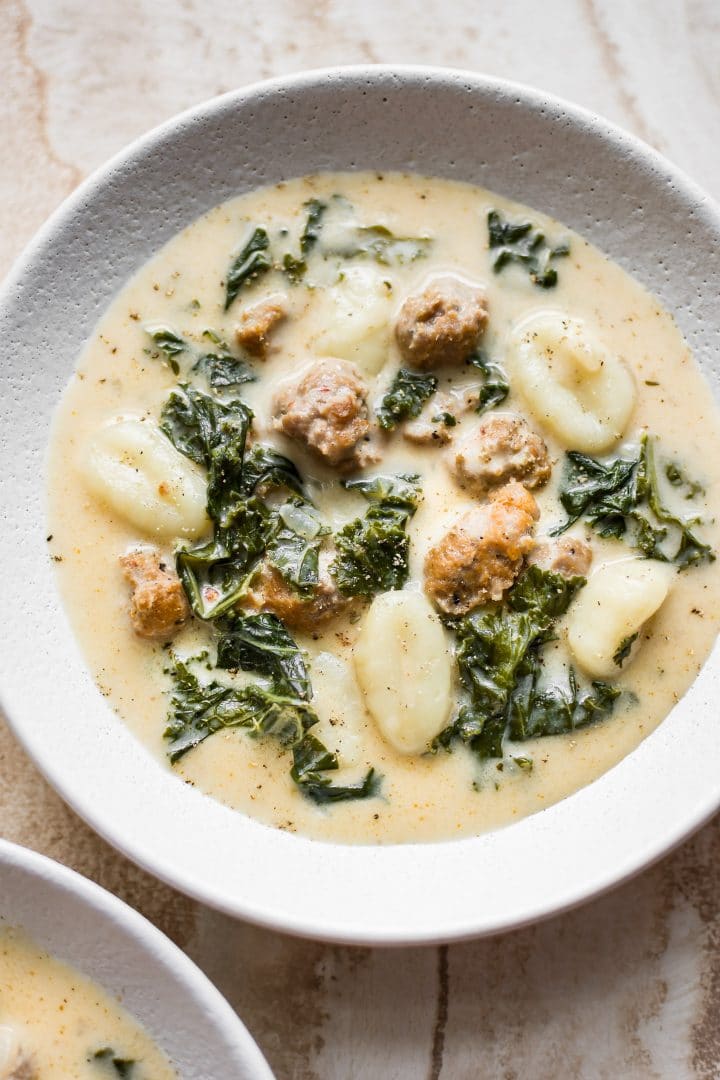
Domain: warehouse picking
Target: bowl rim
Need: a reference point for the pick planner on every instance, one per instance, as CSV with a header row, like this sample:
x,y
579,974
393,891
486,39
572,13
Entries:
x,y
651,847
169,963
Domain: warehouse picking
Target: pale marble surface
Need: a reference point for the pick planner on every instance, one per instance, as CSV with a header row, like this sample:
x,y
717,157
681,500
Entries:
x,y
628,986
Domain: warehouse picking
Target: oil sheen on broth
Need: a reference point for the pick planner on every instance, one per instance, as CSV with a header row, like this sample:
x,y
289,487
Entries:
x,y
56,1024
334,272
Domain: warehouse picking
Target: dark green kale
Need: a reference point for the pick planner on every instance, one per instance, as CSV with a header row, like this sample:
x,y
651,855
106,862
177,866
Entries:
x,y
379,243
445,418
622,499
498,657
265,468
169,343
624,649
295,546
220,367
495,387
311,232
522,243
404,400
295,267
198,711
111,1064
372,552
677,478
251,263
212,433
261,643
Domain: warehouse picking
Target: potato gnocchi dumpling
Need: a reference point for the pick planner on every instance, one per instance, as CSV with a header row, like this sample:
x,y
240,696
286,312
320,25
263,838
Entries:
x,y
605,622
404,670
134,469
356,315
574,386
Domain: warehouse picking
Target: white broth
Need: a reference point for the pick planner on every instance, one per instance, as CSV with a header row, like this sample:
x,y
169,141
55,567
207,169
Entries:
x,y
56,1024
633,358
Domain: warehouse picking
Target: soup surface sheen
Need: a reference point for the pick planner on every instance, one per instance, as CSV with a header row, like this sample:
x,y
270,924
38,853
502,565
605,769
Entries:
x,y
56,1023
345,304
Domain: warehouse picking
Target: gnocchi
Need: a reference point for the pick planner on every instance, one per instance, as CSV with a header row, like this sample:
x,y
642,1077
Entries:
x,y
574,386
404,670
356,317
134,469
612,609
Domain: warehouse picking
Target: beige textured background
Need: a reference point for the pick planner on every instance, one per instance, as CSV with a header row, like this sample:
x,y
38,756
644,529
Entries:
x,y
629,986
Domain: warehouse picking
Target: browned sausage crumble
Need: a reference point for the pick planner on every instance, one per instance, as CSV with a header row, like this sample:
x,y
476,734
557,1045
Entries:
x,y
256,326
158,607
501,448
441,325
482,554
270,592
568,556
327,411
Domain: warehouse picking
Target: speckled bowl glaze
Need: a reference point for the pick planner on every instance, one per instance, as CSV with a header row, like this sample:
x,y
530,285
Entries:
x,y
541,151
81,924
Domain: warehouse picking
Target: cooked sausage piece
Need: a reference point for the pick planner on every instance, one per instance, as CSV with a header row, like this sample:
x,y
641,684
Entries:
x,y
270,592
257,324
568,556
482,554
327,411
441,325
158,607
500,448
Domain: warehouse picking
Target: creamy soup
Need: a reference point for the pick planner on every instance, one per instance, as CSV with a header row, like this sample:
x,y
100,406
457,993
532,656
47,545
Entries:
x,y
56,1023
381,508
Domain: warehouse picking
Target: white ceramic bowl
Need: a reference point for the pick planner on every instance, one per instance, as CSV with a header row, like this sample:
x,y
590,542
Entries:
x,y
85,926
566,162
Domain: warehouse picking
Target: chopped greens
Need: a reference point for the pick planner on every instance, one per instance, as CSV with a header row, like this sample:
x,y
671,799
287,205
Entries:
x,y
295,267
169,343
677,478
295,548
251,263
623,499
404,400
495,387
498,656
112,1064
372,552
220,367
624,649
216,574
379,243
522,243
261,644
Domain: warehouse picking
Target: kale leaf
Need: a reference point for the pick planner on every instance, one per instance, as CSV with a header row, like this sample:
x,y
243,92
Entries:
x,y
213,433
295,547
169,343
220,367
495,387
534,713
522,243
112,1064
372,552
404,400
198,711
262,643
295,267
497,654
248,265
622,499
